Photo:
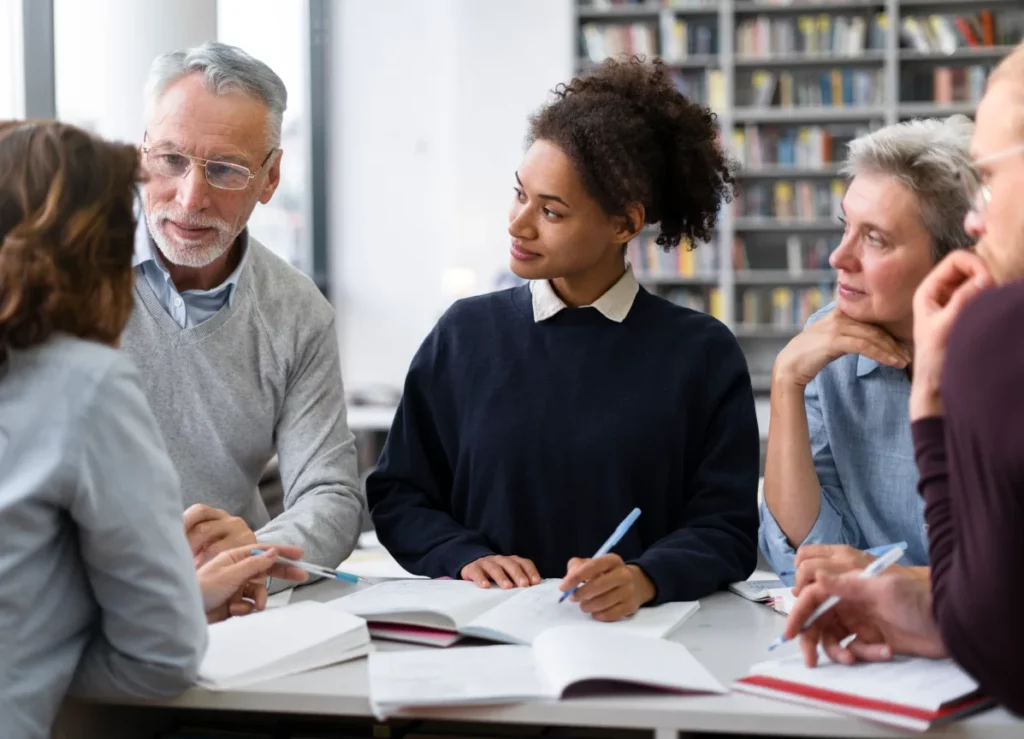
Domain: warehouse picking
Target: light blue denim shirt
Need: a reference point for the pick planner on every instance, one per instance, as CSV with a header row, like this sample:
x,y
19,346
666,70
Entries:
x,y
859,423
192,307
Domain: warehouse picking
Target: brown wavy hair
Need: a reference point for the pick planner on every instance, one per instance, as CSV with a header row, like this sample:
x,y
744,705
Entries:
x,y
67,227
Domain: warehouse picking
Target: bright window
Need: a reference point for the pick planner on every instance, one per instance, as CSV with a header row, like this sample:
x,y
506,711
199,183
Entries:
x,y
276,33
12,73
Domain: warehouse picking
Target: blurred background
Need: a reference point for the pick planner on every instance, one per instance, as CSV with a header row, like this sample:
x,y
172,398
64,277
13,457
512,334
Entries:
x,y
406,121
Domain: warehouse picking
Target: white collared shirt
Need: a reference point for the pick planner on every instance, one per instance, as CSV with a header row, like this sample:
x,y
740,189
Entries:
x,y
613,305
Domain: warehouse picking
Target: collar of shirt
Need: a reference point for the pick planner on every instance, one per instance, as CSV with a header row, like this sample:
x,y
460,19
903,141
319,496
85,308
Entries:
x,y
613,305
147,255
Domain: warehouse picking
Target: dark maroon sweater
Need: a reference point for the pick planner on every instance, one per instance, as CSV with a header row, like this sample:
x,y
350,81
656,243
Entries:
x,y
971,464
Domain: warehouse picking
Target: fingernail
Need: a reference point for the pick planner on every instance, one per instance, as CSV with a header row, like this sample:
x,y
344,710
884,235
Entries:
x,y
886,652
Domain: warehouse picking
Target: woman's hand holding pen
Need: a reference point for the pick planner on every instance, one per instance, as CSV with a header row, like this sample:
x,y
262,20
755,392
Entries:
x,y
226,579
505,572
610,589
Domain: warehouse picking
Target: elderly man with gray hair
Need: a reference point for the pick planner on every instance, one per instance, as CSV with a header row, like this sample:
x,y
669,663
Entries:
x,y
840,476
237,349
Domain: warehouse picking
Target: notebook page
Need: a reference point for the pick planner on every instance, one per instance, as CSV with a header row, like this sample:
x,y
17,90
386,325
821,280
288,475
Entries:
x,y
251,644
910,681
571,654
431,677
413,601
524,616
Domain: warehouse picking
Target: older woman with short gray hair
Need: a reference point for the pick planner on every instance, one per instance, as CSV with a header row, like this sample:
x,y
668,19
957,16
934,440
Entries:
x,y
840,476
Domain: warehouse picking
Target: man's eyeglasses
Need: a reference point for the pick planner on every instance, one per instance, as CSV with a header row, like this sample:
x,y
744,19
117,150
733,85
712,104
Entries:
x,y
165,162
978,193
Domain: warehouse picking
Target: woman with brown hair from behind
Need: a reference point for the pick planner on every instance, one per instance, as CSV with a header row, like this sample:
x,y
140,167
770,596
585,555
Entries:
x,y
97,588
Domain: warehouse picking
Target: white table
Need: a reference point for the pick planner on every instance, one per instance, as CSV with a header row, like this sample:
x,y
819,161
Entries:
x,y
727,634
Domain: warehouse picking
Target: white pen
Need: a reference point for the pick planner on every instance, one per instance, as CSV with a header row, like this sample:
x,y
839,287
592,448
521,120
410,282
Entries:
x,y
313,569
892,556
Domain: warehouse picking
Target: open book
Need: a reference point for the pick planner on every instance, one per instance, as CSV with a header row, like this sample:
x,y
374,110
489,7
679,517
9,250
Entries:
x,y
438,612
908,692
283,641
561,658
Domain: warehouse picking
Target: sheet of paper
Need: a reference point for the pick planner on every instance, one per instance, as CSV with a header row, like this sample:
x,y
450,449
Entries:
x,y
496,674
523,617
411,601
910,681
571,654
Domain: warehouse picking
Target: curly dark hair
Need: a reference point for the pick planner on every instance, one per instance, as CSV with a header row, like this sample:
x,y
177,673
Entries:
x,y
634,138
67,227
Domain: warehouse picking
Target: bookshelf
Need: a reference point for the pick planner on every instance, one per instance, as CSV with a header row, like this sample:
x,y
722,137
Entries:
x,y
791,83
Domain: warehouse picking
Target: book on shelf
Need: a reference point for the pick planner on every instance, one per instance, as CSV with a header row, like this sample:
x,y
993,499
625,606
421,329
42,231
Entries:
x,y
782,307
705,300
964,84
800,255
603,40
800,200
837,87
946,33
674,4
706,87
651,261
682,38
806,147
839,35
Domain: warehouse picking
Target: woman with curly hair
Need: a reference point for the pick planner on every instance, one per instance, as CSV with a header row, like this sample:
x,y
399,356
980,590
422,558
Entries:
x,y
534,419
97,588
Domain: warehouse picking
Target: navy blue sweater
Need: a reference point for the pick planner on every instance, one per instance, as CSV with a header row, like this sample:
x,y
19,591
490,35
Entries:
x,y
536,439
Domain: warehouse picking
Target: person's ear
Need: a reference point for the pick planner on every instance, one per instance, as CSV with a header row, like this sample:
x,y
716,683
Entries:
x,y
273,177
630,224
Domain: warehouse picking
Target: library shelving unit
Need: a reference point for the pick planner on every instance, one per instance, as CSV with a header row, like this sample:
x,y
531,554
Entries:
x,y
792,82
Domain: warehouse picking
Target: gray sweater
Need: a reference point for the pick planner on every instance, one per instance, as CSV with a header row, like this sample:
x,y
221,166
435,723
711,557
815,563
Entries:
x,y
261,376
95,572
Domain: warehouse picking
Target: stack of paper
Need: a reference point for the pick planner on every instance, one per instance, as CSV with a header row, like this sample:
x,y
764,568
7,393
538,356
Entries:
x,y
561,658
283,641
909,692
439,612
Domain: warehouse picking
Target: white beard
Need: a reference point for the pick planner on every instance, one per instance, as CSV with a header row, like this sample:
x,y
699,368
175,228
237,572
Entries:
x,y
185,253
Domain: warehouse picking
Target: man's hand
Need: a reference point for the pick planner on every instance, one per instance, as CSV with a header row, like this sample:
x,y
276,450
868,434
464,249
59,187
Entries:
x,y
832,337
506,572
938,301
610,590
211,531
232,583
814,561
890,614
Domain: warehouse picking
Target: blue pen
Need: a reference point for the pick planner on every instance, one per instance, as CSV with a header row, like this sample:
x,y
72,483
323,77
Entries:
x,y
873,551
619,532
313,569
891,556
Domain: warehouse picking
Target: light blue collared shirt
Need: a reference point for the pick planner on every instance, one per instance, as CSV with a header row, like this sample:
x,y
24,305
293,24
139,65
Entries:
x,y
192,307
859,422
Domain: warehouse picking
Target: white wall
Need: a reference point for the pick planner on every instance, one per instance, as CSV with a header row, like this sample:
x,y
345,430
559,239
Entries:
x,y
103,50
429,108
